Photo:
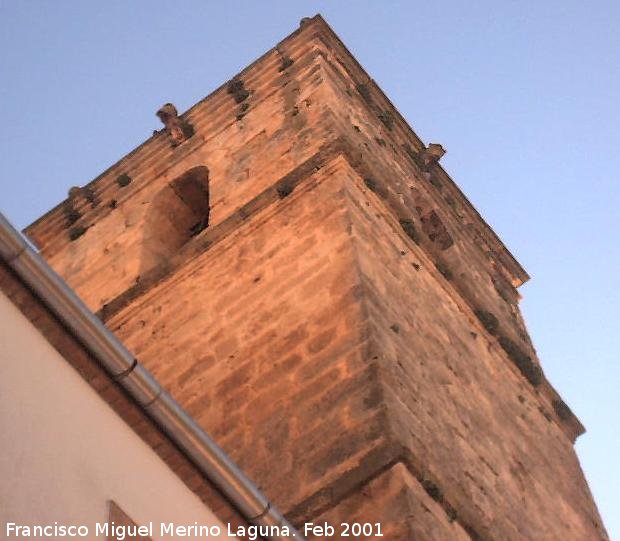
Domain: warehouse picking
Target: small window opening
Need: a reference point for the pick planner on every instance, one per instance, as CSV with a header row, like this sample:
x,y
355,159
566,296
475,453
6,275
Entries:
x,y
192,188
177,213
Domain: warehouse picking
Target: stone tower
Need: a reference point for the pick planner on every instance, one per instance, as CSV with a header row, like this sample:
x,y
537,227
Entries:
x,y
293,264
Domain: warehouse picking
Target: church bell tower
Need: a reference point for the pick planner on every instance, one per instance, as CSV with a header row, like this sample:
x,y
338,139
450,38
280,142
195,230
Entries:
x,y
294,265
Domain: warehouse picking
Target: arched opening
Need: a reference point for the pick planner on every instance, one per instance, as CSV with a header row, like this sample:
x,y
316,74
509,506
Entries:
x,y
192,188
178,212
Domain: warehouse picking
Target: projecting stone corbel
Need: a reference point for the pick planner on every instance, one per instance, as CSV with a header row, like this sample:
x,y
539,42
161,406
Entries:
x,y
431,155
177,129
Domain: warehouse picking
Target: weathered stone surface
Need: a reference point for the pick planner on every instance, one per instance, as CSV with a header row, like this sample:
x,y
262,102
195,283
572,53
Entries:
x,y
406,512
347,325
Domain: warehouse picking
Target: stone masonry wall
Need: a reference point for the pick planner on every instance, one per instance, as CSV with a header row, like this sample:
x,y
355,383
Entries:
x,y
338,348
446,379
261,339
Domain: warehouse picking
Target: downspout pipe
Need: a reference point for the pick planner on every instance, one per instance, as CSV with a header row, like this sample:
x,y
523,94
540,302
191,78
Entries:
x,y
141,385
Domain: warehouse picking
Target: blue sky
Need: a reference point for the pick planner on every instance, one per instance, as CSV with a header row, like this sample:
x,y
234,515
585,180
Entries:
x,y
523,95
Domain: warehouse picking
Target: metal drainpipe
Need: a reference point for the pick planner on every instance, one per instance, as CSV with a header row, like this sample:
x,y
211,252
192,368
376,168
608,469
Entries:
x,y
121,365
